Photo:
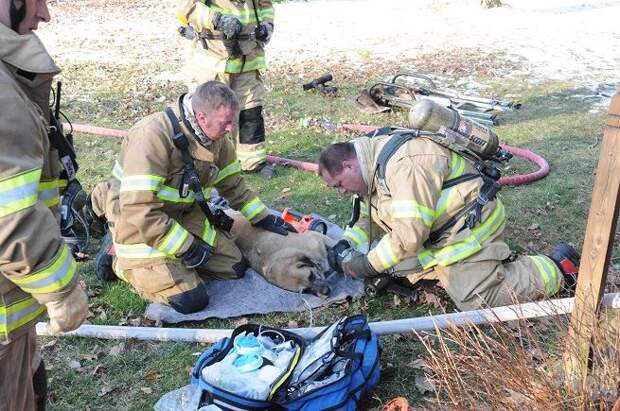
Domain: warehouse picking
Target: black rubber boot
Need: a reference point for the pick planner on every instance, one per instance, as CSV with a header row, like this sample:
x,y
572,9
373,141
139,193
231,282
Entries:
x,y
567,259
96,224
268,171
104,259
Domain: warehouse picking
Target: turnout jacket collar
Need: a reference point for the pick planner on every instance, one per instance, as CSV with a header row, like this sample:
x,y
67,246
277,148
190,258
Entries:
x,y
367,154
25,52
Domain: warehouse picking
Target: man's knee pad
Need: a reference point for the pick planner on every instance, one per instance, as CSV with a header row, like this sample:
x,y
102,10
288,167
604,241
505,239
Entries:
x,y
39,383
190,301
240,267
251,126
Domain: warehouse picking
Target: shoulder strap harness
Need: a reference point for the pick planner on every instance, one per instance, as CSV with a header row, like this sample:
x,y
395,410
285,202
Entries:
x,y
191,179
473,210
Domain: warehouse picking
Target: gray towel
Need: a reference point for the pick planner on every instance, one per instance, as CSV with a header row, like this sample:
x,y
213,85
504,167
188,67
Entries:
x,y
253,295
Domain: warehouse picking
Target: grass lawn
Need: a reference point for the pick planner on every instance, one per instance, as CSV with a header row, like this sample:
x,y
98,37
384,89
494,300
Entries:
x,y
132,375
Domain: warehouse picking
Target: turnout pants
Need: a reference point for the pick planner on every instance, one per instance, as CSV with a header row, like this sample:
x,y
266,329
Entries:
x,y
248,132
169,281
489,279
18,363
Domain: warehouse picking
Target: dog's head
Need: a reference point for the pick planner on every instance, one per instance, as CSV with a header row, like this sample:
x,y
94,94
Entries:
x,y
302,266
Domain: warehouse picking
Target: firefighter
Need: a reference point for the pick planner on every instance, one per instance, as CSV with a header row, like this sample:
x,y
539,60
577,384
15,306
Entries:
x,y
425,233
167,239
37,270
228,39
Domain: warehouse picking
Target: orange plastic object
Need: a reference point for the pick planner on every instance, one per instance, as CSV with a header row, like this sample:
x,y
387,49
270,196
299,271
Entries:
x,y
397,404
300,222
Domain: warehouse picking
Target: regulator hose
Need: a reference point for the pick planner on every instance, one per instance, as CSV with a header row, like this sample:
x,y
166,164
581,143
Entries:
x,y
516,180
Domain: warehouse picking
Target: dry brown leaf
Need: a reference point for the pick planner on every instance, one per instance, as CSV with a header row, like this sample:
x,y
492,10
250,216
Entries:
x,y
76,366
147,390
396,300
152,375
431,299
241,321
105,390
420,364
98,369
424,384
49,344
117,349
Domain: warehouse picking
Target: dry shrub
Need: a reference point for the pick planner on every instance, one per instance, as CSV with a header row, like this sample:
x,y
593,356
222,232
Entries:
x,y
519,366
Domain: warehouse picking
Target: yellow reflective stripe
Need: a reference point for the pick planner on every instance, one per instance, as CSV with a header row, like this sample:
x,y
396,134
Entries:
x,y
386,254
411,209
444,200
173,240
457,165
51,278
265,13
244,16
355,234
467,247
117,171
19,191
172,195
235,65
147,182
137,251
364,209
209,233
49,193
253,208
229,170
181,17
549,273
18,314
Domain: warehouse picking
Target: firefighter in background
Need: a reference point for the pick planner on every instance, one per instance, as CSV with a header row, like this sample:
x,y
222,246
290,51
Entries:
x,y
228,39
166,242
411,203
37,270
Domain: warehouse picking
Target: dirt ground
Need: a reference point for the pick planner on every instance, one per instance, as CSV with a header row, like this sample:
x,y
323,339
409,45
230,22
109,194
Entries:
x,y
558,39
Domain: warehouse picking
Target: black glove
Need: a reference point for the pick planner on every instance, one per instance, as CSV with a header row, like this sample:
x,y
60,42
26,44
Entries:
x,y
197,254
231,26
263,32
358,266
275,224
335,255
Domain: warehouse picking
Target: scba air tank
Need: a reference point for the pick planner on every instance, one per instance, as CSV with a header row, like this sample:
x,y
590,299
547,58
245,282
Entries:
x,y
427,115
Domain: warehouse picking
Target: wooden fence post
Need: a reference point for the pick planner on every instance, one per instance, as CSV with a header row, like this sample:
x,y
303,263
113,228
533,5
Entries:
x,y
596,252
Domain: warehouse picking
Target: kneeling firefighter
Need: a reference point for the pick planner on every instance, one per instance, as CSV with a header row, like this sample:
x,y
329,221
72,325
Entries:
x,y
37,271
166,237
433,196
228,39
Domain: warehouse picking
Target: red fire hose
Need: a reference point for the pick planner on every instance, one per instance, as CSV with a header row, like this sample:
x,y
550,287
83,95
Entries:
x,y
521,179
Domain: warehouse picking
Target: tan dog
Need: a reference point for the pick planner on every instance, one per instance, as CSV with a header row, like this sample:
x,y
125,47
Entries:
x,y
295,262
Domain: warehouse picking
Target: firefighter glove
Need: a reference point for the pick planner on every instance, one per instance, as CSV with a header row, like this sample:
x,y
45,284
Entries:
x,y
263,32
229,25
69,312
198,253
358,266
336,255
275,224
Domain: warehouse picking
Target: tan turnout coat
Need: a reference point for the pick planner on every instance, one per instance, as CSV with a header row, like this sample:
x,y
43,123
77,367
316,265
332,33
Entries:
x,y
144,204
36,266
